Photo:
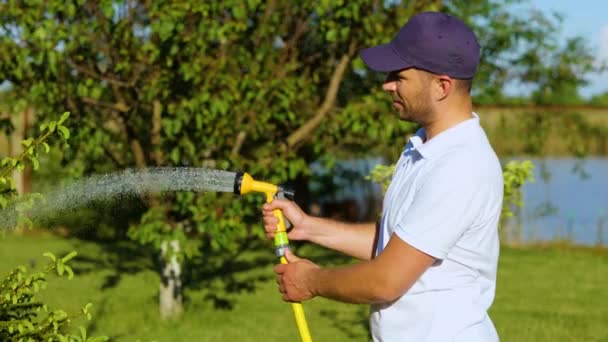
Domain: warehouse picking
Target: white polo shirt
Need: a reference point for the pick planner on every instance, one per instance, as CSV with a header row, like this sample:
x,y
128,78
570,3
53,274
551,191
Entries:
x,y
445,200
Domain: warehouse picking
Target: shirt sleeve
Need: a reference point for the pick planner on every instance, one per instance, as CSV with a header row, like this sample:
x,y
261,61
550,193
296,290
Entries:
x,y
445,206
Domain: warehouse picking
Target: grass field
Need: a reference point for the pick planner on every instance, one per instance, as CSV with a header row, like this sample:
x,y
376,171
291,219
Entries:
x,y
551,293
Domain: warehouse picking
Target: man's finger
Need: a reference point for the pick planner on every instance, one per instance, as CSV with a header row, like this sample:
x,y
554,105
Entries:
x,y
291,257
271,221
279,269
276,204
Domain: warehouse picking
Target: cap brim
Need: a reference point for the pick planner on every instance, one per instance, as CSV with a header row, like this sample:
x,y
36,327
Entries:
x,y
382,58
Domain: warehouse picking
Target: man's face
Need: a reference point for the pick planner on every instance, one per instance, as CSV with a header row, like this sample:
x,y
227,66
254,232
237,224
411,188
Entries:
x,y
410,90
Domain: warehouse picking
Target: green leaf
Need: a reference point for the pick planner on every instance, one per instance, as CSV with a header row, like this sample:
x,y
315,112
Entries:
x,y
69,256
64,131
83,333
99,339
64,117
60,267
175,155
69,271
27,142
35,163
50,256
331,35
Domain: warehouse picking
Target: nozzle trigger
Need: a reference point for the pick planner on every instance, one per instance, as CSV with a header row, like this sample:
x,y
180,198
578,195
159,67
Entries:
x,y
282,195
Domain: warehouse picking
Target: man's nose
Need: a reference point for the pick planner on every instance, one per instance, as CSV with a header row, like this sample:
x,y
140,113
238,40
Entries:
x,y
389,86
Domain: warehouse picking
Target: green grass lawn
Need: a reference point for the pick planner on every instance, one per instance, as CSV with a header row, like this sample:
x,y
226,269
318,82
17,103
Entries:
x,y
544,294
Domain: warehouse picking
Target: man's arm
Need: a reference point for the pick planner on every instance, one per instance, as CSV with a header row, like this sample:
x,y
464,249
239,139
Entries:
x,y
379,280
356,240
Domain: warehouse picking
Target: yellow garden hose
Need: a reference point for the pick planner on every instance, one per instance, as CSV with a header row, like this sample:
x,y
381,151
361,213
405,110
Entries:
x,y
244,184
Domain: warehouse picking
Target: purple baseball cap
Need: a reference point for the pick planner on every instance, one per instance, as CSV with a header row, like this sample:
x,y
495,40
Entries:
x,y
436,42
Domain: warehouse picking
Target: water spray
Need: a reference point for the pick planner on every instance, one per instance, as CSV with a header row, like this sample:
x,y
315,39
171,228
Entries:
x,y
244,184
143,181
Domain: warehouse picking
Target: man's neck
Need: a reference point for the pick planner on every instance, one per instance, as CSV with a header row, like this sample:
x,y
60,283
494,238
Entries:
x,y
447,118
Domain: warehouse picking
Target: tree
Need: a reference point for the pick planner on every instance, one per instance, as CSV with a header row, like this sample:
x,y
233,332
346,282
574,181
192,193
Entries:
x,y
262,86
599,100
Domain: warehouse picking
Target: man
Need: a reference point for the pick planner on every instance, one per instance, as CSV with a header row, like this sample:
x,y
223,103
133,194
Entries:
x,y
428,268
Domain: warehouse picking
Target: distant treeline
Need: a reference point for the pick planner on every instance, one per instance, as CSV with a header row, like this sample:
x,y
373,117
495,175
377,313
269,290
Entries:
x,y
546,130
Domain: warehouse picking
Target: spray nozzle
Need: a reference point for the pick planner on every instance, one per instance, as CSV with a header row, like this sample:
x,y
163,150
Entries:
x,y
244,183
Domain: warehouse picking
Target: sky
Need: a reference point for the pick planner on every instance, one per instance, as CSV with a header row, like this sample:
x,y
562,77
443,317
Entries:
x,y
588,19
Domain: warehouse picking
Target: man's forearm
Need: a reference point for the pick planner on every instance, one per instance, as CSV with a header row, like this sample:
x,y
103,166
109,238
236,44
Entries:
x,y
380,280
356,240
357,284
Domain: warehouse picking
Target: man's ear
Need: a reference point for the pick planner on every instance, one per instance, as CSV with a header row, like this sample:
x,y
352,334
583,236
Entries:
x,y
443,86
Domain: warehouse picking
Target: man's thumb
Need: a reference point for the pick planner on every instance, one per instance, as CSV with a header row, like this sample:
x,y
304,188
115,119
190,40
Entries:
x,y
290,256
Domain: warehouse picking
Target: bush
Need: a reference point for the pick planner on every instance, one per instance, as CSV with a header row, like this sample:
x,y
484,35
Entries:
x,y
22,316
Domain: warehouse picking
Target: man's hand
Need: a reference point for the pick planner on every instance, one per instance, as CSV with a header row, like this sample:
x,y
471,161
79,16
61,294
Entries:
x,y
296,279
292,212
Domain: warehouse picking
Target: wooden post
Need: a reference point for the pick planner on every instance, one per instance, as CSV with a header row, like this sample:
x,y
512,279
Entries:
x,y
22,178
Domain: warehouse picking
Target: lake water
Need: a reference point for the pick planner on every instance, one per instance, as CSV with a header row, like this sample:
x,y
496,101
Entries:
x,y
567,201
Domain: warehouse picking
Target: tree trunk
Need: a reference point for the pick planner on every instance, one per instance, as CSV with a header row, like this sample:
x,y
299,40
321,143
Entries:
x,y
170,296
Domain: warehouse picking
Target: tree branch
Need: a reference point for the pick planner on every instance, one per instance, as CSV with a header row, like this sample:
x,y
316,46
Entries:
x,y
240,139
270,6
119,107
115,158
330,98
157,156
300,29
84,70
138,153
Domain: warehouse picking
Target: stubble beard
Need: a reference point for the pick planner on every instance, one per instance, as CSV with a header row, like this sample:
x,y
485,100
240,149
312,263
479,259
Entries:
x,y
418,111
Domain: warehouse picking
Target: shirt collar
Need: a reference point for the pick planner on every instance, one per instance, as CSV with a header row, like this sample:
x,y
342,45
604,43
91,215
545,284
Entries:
x,y
449,137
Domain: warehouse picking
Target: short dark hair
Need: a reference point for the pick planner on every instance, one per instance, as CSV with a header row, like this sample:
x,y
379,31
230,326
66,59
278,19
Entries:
x,y
464,85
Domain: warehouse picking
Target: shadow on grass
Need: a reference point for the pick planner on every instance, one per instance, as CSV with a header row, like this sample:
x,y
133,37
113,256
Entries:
x,y
217,275
102,310
345,321
221,276
119,257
